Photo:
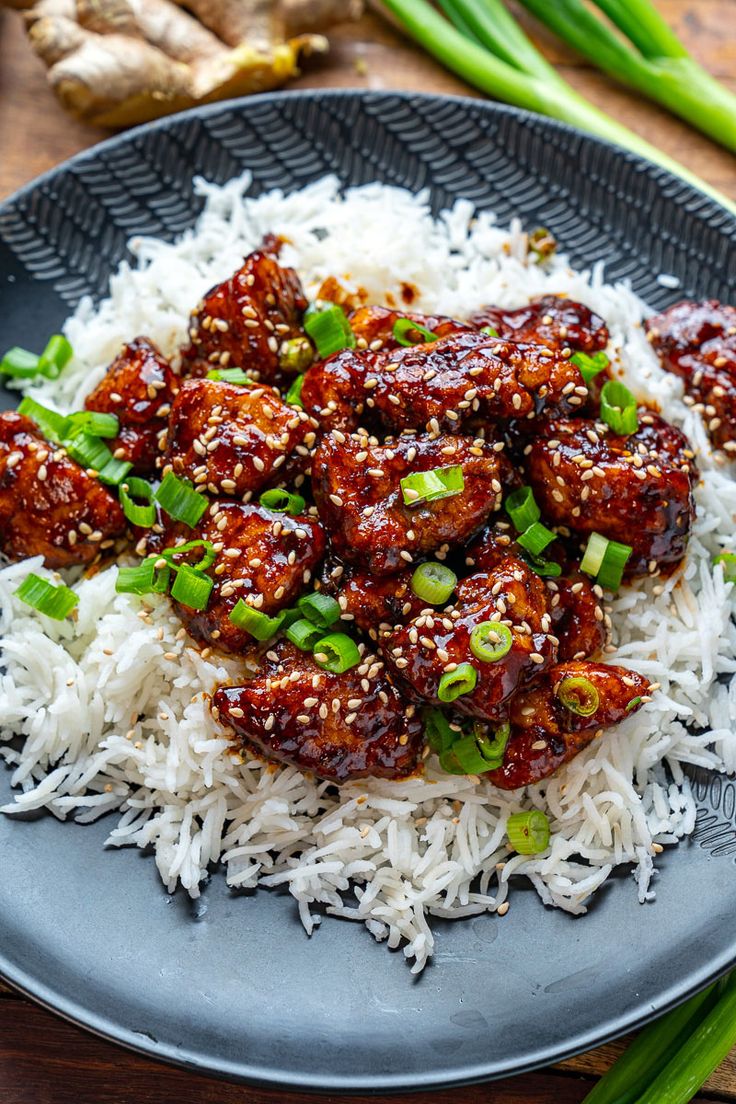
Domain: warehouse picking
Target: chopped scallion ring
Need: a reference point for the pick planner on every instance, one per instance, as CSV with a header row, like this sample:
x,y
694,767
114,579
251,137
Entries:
x,y
304,634
490,331
52,425
618,408
728,563
522,509
142,514
589,365
579,695
329,329
230,375
282,502
94,423
606,560
403,327
491,641
536,538
433,583
19,363
545,568
89,452
179,500
208,557
476,753
336,653
55,357
438,732
296,354
455,683
427,486
191,587
528,832
144,578
320,609
258,624
53,601
114,471
633,703
294,394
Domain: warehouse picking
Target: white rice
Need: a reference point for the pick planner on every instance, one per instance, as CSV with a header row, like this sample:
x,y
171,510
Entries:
x,y
112,706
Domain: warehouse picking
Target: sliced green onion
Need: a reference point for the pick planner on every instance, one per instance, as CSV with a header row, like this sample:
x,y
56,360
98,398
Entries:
x,y
579,695
19,363
114,471
259,625
289,616
549,569
427,486
329,329
438,732
522,509
208,557
53,601
542,242
320,609
294,394
52,425
143,515
606,560
490,331
618,408
295,355
88,451
191,587
282,502
304,634
404,326
336,652
55,357
528,832
455,683
728,560
589,364
536,538
94,423
491,641
633,703
144,578
433,583
230,375
180,501
475,753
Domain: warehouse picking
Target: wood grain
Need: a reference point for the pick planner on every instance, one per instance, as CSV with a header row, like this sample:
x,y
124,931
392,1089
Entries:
x,y
44,1060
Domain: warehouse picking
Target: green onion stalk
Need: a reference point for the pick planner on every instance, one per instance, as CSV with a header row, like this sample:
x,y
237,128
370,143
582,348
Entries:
x,y
491,52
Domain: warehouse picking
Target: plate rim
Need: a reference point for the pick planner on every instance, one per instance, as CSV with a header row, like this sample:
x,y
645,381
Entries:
x,y
104,1026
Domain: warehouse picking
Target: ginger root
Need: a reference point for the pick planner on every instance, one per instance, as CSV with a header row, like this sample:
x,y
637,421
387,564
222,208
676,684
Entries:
x,y
119,62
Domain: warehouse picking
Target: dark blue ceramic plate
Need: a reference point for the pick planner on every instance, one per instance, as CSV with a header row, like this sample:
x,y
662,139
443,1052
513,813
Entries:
x,y
234,987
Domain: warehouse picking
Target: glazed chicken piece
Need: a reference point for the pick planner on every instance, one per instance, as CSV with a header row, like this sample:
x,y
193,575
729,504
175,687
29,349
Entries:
x,y
697,341
552,321
375,603
374,326
578,621
545,733
636,489
443,385
138,388
244,321
356,486
339,726
265,558
236,439
49,506
433,644
334,391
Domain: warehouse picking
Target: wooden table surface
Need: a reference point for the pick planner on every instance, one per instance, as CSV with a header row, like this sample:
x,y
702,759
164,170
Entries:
x,y
46,1061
